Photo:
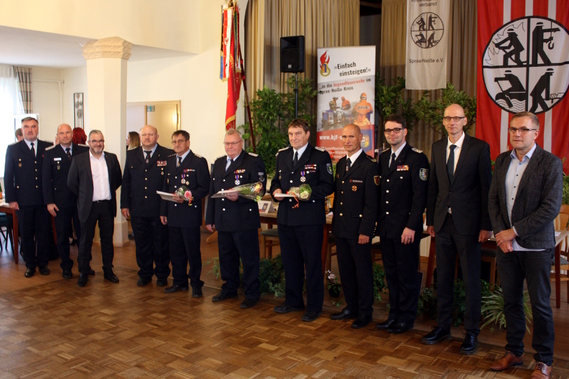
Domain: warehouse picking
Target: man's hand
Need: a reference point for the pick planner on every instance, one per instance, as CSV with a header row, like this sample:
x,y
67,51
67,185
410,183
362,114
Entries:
x,y
14,205
278,190
210,227
233,196
484,235
431,230
52,208
506,247
362,239
506,235
125,212
164,220
408,236
178,199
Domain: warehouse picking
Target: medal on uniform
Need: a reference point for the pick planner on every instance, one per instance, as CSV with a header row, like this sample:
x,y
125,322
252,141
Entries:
x,y
303,178
237,182
354,188
58,167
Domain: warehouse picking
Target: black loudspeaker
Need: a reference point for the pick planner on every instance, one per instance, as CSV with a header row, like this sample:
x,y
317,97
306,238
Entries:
x,y
292,54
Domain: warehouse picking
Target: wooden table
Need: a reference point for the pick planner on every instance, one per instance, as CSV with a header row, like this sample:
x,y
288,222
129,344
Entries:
x,y
560,236
270,219
6,209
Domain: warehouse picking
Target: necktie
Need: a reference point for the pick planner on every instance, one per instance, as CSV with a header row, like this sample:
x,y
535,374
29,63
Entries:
x,y
450,163
68,151
295,160
147,152
32,149
393,156
179,161
229,161
348,164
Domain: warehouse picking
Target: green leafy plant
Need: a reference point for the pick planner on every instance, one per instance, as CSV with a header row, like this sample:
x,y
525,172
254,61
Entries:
x,y
390,99
215,269
271,112
565,189
493,309
378,281
271,276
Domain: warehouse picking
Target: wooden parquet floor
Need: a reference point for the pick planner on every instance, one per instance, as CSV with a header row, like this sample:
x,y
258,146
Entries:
x,y
51,328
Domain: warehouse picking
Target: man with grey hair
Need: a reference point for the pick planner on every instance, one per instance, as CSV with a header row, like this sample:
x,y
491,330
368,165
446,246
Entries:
x,y
236,219
94,178
525,197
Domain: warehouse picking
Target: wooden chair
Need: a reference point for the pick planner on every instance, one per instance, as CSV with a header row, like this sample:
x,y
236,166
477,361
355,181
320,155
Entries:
x,y
376,252
561,222
6,230
270,238
330,251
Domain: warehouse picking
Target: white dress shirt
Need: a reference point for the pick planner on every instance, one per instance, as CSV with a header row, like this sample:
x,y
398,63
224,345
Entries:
x,y
100,172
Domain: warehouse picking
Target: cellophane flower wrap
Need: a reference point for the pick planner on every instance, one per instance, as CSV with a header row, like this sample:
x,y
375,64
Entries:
x,y
184,192
302,192
251,191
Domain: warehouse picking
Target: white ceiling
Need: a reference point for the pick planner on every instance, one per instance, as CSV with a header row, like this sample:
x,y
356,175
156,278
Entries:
x,y
30,48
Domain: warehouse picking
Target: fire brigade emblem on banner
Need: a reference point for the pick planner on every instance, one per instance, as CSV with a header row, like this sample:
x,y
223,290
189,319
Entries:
x,y
427,30
526,66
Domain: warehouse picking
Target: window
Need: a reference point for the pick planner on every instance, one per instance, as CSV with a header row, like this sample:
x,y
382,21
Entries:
x,y
10,105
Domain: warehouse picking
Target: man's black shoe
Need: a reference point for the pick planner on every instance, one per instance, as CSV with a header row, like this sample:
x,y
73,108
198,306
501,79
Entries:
x,y
400,327
83,278
67,274
310,316
345,313
30,272
386,324
143,281
91,272
44,270
197,292
469,345
248,303
111,277
283,308
223,296
175,288
437,335
361,321
162,282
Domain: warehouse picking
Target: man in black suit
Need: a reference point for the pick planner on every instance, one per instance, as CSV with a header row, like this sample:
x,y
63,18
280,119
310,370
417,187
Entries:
x,y
355,213
23,186
525,197
404,174
301,225
457,212
183,217
236,219
94,178
62,203
144,173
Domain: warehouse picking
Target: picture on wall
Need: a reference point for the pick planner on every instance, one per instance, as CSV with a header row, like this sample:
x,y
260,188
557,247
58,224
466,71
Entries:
x,y
78,110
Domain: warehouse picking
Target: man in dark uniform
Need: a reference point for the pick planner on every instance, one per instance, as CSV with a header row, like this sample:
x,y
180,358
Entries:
x,y
404,174
144,173
23,183
62,203
355,213
184,218
236,219
94,178
301,224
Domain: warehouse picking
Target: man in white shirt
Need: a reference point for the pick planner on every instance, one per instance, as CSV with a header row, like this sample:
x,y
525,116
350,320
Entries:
x,y
94,179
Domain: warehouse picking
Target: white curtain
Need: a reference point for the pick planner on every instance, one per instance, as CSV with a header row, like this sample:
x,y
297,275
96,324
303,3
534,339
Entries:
x,y
10,105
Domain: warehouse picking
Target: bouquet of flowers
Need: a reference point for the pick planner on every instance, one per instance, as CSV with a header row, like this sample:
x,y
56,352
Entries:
x,y
251,191
302,192
334,287
185,193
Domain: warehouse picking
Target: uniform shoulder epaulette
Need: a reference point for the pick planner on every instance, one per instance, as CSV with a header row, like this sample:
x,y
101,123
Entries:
x,y
83,144
253,154
320,149
198,156
283,149
385,151
417,150
221,157
171,155
371,158
51,147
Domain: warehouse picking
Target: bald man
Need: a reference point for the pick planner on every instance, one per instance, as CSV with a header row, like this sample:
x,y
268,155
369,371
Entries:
x,y
144,172
62,203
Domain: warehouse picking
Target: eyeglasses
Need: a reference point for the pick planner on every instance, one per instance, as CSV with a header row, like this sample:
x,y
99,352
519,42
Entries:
x,y
521,130
177,141
232,143
453,118
394,130
96,141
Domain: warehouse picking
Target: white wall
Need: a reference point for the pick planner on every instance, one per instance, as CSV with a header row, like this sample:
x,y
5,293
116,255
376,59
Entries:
x,y
47,100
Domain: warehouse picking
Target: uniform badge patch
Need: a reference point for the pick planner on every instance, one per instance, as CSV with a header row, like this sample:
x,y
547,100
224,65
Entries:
x,y
329,168
354,188
376,179
261,176
161,163
424,174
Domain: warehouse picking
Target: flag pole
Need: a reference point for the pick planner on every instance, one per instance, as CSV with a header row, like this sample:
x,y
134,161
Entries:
x,y
247,107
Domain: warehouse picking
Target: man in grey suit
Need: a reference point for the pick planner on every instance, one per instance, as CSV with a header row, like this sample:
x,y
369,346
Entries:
x,y
525,197
94,178
457,212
